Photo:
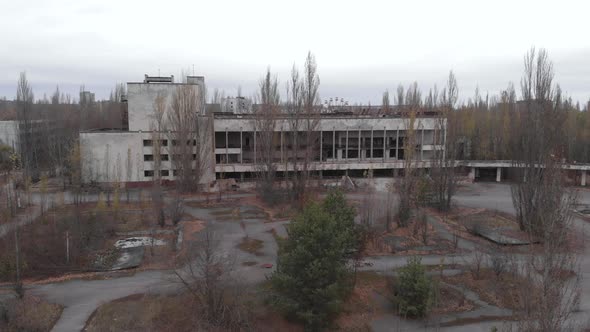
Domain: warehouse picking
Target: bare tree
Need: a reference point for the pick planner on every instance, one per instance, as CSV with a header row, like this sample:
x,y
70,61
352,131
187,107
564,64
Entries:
x,y
385,105
552,290
157,126
24,101
538,150
128,172
399,96
118,92
189,136
265,118
543,202
207,276
443,161
294,107
176,210
408,183
18,286
303,106
74,171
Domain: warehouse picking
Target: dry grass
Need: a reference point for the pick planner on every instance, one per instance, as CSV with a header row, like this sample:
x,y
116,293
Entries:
x,y
144,313
251,245
503,291
275,235
28,314
449,300
361,306
173,313
91,232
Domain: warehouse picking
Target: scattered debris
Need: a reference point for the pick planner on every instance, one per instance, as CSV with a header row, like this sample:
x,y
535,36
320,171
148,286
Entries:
x,y
129,258
140,241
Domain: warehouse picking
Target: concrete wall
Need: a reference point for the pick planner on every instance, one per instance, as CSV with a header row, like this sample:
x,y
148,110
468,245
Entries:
x,y
8,134
105,157
103,152
329,124
141,98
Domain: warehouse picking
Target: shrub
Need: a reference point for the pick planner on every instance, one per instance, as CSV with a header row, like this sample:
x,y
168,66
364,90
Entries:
x,y
499,263
413,290
477,261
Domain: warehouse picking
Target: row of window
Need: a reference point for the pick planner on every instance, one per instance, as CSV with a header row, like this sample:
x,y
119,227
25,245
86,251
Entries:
x,y
163,172
164,142
164,157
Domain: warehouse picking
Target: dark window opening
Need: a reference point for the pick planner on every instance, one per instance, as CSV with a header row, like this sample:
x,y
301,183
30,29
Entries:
x,y
148,173
148,157
352,154
164,172
165,157
147,142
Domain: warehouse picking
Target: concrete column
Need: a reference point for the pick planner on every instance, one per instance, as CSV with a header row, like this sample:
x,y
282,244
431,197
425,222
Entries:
x,y
445,143
422,145
226,147
321,174
583,180
397,144
282,153
498,174
359,147
255,145
334,144
346,147
321,145
472,174
241,147
384,138
371,143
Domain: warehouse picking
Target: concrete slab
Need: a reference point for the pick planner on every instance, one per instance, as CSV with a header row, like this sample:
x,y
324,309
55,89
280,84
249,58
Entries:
x,y
496,236
129,258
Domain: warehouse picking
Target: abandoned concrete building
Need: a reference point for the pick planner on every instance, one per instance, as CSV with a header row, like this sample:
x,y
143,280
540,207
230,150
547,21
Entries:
x,y
347,143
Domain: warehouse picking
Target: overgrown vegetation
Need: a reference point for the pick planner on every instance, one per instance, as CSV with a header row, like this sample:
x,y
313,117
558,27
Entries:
x,y
28,314
413,290
314,275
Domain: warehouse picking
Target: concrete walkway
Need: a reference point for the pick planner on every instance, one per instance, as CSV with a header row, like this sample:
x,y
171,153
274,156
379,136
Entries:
x,y
82,297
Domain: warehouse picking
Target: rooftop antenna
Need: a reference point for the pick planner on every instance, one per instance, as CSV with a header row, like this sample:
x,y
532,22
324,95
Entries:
x,y
193,69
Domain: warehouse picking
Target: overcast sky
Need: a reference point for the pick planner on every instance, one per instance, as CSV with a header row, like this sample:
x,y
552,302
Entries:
x,y
361,47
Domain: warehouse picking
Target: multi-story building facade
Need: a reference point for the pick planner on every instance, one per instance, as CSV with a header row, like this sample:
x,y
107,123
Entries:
x,y
130,156
343,142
